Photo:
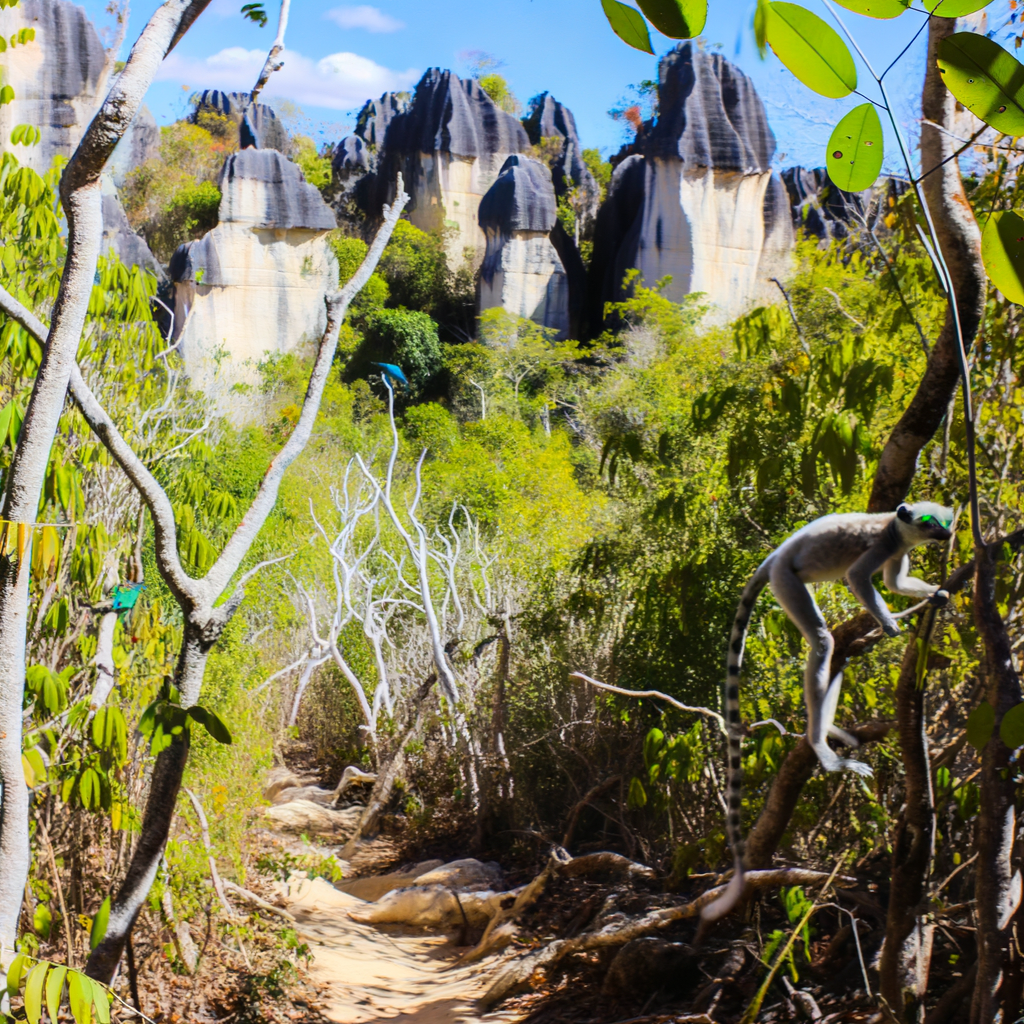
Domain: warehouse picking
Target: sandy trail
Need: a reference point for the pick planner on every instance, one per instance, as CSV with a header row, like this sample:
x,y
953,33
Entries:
x,y
384,972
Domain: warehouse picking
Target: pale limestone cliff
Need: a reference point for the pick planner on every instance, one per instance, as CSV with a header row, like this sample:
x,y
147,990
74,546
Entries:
x,y
698,202
253,286
522,271
56,77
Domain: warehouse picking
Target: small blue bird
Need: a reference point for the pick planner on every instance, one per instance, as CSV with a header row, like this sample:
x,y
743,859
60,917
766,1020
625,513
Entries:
x,y
394,372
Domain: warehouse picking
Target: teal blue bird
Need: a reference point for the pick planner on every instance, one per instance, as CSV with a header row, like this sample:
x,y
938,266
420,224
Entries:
x,y
394,372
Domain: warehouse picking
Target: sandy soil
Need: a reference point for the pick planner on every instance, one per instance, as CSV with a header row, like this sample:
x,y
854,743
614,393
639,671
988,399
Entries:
x,y
385,973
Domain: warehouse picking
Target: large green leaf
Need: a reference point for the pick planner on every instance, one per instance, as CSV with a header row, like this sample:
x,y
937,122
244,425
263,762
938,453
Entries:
x,y
980,723
628,24
811,50
80,997
855,149
954,8
1002,252
985,78
876,8
677,19
34,992
54,985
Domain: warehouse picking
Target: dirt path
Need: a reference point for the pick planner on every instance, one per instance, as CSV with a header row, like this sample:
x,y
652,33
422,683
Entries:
x,y
384,972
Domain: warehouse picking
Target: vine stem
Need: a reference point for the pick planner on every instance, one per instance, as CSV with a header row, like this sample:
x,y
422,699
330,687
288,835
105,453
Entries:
x,y
943,271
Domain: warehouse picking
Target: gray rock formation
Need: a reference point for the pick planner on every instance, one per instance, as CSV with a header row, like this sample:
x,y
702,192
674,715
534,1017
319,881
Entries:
x,y
522,271
373,120
255,284
355,157
707,210
121,240
450,142
827,212
258,126
57,77
140,143
550,120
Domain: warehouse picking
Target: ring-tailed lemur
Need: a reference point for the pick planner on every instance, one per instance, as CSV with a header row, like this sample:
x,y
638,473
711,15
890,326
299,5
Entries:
x,y
854,545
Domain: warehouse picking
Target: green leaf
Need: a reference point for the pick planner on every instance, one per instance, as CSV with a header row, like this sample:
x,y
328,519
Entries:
x,y
954,8
14,975
855,150
110,731
99,925
37,765
80,997
54,985
89,790
1011,728
211,722
6,95
101,1002
677,19
1002,252
628,24
980,723
985,78
34,992
883,9
761,28
42,921
811,50
637,797
653,742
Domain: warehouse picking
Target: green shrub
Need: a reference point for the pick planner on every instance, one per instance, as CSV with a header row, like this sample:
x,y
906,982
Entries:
x,y
315,167
404,337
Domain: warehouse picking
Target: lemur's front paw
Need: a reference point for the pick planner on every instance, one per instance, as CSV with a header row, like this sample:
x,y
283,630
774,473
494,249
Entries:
x,y
892,628
939,599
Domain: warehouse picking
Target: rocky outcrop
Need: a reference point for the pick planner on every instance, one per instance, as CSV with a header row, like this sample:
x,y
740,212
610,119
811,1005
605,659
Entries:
x,y
821,209
551,123
119,238
449,143
255,284
522,271
356,156
140,143
258,126
707,210
56,77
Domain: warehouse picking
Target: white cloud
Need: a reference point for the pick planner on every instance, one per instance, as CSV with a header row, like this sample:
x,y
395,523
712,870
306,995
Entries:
x,y
339,81
373,19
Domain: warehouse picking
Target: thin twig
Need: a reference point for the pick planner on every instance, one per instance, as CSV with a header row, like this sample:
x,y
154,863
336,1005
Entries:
x,y
652,693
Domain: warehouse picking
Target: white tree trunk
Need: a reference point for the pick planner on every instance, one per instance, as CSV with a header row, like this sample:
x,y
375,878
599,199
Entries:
x,y
81,199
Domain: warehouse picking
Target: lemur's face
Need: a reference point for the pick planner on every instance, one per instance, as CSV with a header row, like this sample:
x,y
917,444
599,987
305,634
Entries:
x,y
926,522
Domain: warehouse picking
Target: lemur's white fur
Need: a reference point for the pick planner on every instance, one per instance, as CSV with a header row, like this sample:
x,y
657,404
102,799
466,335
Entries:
x,y
854,545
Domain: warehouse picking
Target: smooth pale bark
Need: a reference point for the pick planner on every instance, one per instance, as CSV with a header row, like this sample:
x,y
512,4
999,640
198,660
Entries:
x,y
960,241
81,200
204,618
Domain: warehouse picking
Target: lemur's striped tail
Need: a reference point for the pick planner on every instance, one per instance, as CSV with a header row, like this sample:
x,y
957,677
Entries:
x,y
734,726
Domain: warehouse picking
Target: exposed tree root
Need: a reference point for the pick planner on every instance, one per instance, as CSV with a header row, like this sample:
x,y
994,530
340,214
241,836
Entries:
x,y
531,968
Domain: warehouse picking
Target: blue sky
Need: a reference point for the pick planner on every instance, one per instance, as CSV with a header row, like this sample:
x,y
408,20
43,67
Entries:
x,y
341,53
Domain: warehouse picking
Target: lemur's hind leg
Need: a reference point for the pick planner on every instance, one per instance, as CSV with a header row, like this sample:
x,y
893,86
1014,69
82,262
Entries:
x,y
821,692
831,702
